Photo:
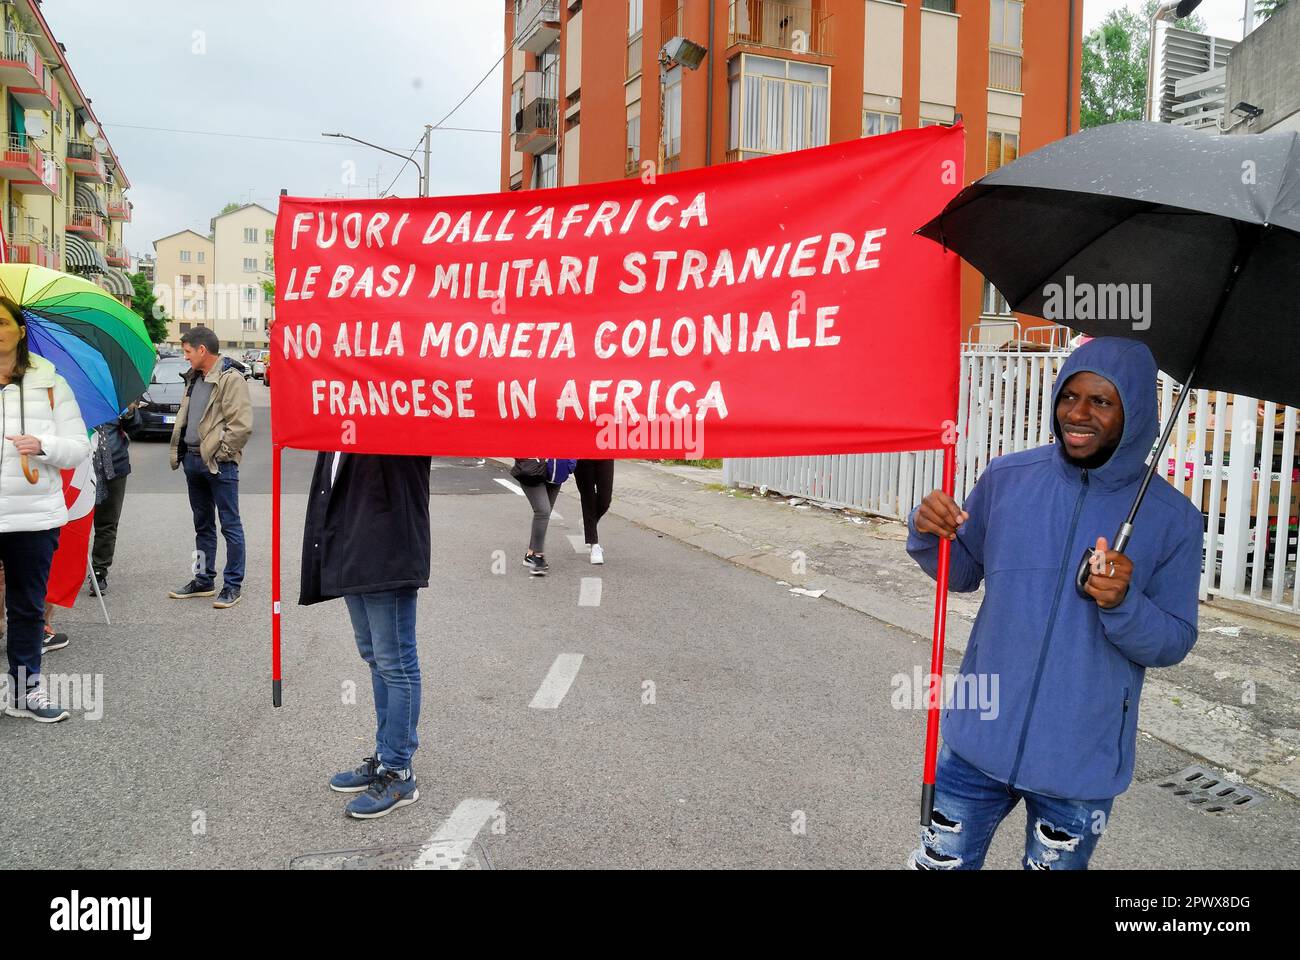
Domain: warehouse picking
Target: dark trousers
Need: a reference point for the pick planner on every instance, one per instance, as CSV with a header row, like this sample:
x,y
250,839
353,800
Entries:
x,y
106,516
26,556
215,495
595,480
541,496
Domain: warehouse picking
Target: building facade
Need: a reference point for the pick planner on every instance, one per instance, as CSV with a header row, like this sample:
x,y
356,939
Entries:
x,y
64,190
584,99
1262,73
217,280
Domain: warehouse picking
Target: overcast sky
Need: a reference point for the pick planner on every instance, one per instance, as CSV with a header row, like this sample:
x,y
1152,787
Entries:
x,y
291,69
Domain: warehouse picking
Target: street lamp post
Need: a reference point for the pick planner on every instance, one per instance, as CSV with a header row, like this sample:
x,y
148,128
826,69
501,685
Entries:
x,y
423,175
677,52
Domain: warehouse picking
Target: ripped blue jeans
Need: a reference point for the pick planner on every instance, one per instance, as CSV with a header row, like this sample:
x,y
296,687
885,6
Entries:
x,y
969,806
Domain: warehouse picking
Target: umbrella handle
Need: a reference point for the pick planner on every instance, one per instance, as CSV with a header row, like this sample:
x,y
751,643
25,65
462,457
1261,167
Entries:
x,y
33,476
1085,565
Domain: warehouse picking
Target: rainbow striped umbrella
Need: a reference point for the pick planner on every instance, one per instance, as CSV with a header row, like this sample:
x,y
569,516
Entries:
x,y
95,343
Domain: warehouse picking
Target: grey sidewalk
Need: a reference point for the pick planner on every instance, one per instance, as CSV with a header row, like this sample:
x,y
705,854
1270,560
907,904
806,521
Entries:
x,y
1202,706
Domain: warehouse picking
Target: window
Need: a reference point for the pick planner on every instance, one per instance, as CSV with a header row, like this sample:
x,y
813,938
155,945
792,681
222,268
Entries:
x,y
250,293
250,234
635,14
672,118
875,123
944,6
201,256
250,324
270,236
185,279
269,265
633,141
185,256
250,264
995,305
1002,149
544,170
185,328
1005,19
935,123
777,105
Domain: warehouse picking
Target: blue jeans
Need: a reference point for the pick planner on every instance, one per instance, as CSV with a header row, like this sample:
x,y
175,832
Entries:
x,y
384,624
969,805
213,495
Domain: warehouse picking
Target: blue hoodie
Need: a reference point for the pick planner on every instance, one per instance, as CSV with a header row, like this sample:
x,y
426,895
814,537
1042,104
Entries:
x,y
1069,673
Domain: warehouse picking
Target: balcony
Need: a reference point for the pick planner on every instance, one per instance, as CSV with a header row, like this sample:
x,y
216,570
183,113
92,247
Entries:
x,y
120,210
117,256
86,223
20,64
537,24
780,26
22,160
1004,69
84,161
535,127
41,95
27,249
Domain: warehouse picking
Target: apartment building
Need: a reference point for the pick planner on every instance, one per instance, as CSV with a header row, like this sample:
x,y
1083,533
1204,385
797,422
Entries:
x,y
63,187
585,98
216,280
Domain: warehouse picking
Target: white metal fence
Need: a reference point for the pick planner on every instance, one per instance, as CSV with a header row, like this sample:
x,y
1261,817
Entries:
x,y
1234,457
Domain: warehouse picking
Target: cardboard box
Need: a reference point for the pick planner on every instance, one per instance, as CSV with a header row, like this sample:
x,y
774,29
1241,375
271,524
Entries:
x,y
1199,492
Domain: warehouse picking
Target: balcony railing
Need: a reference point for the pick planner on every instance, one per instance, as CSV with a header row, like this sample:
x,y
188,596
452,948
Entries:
x,y
535,126
87,223
116,256
20,63
780,26
27,249
537,24
119,210
1004,69
22,159
85,161
671,26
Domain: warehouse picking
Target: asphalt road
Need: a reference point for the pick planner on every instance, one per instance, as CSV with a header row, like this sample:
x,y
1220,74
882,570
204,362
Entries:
x,y
714,720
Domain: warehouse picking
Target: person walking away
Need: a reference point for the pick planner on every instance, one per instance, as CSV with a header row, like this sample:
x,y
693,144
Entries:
x,y
1057,676
112,467
367,539
212,426
541,488
595,480
41,434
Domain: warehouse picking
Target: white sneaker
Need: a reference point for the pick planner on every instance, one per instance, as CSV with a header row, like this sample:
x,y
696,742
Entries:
x,y
597,554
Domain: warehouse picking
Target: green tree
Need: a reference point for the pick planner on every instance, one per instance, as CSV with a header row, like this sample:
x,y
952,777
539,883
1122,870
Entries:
x,y
1266,8
150,310
1114,83
229,208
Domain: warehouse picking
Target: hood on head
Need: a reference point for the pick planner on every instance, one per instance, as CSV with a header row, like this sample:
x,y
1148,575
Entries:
x,y
1129,365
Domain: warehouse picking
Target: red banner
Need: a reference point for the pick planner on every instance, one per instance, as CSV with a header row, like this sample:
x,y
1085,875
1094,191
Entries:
x,y
774,307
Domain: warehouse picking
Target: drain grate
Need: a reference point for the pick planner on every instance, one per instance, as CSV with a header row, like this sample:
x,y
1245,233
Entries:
x,y
442,855
1211,792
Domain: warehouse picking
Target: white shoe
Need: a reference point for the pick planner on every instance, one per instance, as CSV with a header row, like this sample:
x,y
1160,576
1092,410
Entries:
x,y
597,554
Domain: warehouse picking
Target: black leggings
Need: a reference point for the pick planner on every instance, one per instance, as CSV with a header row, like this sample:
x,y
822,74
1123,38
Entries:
x,y
595,480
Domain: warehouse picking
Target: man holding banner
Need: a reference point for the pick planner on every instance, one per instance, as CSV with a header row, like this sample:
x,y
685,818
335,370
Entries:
x,y
367,540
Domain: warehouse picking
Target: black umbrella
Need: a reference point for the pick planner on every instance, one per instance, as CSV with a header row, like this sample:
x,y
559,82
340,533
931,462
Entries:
x,y
1185,240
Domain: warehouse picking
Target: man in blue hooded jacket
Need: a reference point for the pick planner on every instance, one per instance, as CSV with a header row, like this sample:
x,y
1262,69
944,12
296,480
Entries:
x,y
1069,670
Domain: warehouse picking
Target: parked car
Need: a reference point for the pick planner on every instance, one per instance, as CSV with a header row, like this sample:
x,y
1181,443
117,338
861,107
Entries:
x,y
156,413
259,365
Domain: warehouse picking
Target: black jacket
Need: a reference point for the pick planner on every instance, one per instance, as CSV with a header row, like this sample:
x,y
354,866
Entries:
x,y
369,531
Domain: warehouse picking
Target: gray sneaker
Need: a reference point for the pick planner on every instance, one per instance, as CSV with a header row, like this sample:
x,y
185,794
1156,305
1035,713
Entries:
x,y
193,589
38,707
228,598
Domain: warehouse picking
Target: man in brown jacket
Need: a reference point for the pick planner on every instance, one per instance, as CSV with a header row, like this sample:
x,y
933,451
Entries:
x,y
212,426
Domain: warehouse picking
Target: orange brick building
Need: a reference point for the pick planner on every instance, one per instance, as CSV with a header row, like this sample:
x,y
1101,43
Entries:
x,y
585,99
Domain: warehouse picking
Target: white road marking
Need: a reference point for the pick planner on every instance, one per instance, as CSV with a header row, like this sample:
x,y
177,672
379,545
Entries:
x,y
512,487
449,845
579,544
558,680
589,594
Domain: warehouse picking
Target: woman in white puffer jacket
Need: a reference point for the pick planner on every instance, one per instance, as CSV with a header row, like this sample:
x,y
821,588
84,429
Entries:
x,y
43,434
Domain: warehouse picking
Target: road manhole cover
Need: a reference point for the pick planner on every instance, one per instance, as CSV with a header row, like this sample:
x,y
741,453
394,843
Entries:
x,y
1210,792
443,855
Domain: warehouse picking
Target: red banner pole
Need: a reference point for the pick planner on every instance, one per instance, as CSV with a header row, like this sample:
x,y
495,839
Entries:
x,y
935,686
275,574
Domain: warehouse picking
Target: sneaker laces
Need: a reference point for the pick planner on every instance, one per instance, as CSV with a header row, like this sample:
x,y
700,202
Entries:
x,y
38,699
380,784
